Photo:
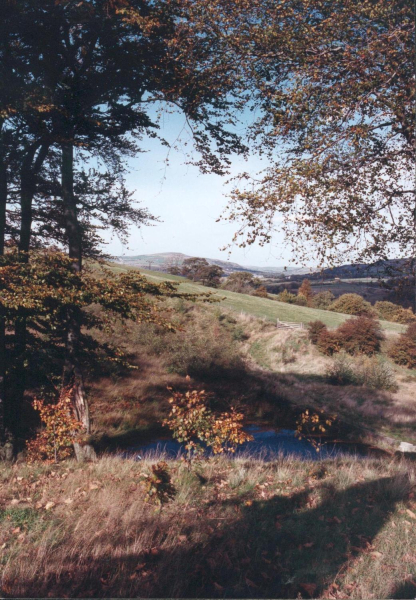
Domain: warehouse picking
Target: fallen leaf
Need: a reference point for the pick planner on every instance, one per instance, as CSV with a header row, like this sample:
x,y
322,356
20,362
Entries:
x,y
69,501
218,586
308,544
15,501
251,583
94,486
49,505
411,513
376,554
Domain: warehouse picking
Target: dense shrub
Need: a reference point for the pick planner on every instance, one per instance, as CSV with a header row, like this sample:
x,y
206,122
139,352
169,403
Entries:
x,y
411,332
361,335
287,297
315,328
403,352
328,342
372,372
323,300
301,300
352,304
394,313
342,371
261,292
241,282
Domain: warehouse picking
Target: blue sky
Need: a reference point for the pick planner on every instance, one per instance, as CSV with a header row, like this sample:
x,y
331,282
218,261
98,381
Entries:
x,y
188,204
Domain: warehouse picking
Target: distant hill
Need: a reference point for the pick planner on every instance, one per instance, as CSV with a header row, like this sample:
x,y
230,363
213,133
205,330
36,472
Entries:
x,y
378,270
164,260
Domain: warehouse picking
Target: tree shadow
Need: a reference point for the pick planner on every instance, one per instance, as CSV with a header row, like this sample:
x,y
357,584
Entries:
x,y
280,547
404,591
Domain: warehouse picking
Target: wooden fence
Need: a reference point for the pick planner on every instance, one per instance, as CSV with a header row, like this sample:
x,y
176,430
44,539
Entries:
x,y
289,325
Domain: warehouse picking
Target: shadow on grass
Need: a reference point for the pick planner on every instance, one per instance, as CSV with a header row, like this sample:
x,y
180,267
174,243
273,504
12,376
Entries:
x,y
281,547
405,591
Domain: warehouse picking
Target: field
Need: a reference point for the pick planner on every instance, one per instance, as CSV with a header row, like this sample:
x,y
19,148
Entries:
x,y
258,307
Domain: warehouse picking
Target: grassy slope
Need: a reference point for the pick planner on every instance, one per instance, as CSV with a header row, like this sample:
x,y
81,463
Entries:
x,y
235,529
258,307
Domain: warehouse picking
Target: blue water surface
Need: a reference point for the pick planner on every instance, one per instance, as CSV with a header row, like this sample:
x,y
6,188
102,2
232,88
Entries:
x,y
268,444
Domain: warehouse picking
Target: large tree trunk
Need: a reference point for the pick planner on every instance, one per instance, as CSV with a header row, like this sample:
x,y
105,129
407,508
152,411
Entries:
x,y
31,166
72,370
3,202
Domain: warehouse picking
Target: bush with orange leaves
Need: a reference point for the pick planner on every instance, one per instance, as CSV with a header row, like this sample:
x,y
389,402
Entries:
x,y
193,423
55,441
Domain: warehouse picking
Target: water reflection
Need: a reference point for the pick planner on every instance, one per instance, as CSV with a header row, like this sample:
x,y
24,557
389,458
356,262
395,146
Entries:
x,y
268,444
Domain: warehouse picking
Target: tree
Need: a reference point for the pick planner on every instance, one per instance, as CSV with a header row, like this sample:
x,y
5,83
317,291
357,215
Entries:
x,y
352,304
211,275
90,71
46,290
323,299
242,282
335,85
306,291
192,267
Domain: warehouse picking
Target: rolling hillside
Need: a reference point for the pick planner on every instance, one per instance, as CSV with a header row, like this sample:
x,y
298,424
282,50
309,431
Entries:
x,y
162,261
258,307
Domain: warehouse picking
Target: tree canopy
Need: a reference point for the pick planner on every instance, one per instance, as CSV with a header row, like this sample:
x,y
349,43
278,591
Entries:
x,y
334,82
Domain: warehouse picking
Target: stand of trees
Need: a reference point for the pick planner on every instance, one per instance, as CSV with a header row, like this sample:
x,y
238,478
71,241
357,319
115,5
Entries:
x,y
79,83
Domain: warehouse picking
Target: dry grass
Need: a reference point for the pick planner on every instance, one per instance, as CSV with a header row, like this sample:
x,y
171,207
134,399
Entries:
x,y
297,372
270,374
236,528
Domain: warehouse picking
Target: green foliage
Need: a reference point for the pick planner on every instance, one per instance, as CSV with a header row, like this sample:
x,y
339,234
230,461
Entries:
x,y
287,297
323,300
46,292
20,517
315,328
199,269
352,304
193,423
158,485
301,300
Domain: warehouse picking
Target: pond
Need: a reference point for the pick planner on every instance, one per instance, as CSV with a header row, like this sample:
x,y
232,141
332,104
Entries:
x,y
268,444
